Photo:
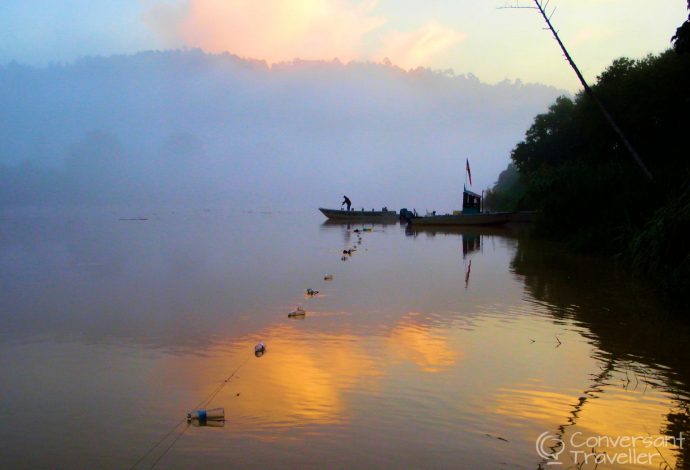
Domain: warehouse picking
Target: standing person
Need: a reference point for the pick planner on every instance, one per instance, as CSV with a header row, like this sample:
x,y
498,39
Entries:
x,y
346,200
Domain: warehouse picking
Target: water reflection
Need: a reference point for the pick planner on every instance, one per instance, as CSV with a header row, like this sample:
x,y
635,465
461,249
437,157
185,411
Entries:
x,y
303,383
430,346
470,243
640,346
468,230
300,383
422,345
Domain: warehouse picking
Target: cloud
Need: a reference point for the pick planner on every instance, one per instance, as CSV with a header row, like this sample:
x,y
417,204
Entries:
x,y
282,30
272,30
415,48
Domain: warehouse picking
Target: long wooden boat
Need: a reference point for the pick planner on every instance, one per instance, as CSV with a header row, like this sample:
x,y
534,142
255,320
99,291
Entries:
x,y
485,218
471,214
361,215
358,223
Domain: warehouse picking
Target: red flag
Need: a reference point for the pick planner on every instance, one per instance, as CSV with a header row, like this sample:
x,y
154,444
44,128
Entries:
x,y
469,173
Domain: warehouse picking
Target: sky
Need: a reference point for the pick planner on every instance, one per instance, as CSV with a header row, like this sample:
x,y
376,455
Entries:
x,y
467,36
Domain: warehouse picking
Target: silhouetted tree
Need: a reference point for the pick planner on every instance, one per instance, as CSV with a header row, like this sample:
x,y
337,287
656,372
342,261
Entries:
x,y
681,40
506,194
587,188
541,6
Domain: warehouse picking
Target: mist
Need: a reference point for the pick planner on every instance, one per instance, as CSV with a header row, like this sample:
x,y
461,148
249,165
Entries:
x,y
186,128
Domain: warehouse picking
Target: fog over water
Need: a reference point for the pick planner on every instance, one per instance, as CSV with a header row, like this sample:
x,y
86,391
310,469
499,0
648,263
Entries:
x,y
158,219
185,127
428,348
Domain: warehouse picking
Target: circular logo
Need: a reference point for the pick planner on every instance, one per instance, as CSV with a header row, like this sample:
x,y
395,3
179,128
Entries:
x,y
549,447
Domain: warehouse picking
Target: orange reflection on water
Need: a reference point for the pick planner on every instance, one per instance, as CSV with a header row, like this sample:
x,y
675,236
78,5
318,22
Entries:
x,y
619,412
422,345
606,427
305,376
300,381
533,405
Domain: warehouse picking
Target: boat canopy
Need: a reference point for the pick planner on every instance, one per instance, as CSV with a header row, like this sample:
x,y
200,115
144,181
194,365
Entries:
x,y
471,202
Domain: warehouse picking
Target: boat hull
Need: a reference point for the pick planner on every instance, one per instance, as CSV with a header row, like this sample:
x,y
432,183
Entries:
x,y
496,218
341,215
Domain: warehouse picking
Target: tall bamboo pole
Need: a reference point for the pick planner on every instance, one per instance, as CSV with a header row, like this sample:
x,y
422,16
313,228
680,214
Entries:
x,y
629,147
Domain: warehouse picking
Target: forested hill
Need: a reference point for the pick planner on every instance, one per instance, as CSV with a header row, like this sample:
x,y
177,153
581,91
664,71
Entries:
x,y
188,127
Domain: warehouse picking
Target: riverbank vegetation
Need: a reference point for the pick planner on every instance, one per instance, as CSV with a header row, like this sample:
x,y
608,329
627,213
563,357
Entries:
x,y
573,169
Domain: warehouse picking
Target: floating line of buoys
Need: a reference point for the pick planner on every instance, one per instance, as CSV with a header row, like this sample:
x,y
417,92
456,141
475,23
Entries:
x,y
201,416
299,312
215,417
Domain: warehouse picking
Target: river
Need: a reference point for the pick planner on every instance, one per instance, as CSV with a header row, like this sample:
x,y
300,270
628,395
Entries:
x,y
478,348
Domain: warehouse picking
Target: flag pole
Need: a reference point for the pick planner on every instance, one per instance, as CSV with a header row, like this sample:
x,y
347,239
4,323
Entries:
x,y
467,162
464,186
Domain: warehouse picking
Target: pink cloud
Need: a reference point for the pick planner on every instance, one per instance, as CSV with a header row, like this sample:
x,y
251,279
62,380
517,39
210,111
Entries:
x,y
282,30
273,30
418,47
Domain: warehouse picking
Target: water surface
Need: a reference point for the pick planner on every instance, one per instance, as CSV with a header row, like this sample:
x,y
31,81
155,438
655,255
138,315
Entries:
x,y
431,349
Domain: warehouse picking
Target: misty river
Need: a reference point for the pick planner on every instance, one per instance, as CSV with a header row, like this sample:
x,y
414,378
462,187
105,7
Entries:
x,y
434,348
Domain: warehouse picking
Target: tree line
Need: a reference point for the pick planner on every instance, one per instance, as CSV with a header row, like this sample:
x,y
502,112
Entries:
x,y
573,169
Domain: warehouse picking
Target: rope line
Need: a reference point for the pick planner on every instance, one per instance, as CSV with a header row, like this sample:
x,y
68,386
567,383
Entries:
x,y
169,447
213,394
143,457
205,402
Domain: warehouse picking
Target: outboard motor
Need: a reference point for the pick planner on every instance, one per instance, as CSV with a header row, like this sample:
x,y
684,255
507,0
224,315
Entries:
x,y
406,215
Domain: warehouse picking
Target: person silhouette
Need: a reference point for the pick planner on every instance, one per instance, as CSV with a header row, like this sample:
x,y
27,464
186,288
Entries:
x,y
346,200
